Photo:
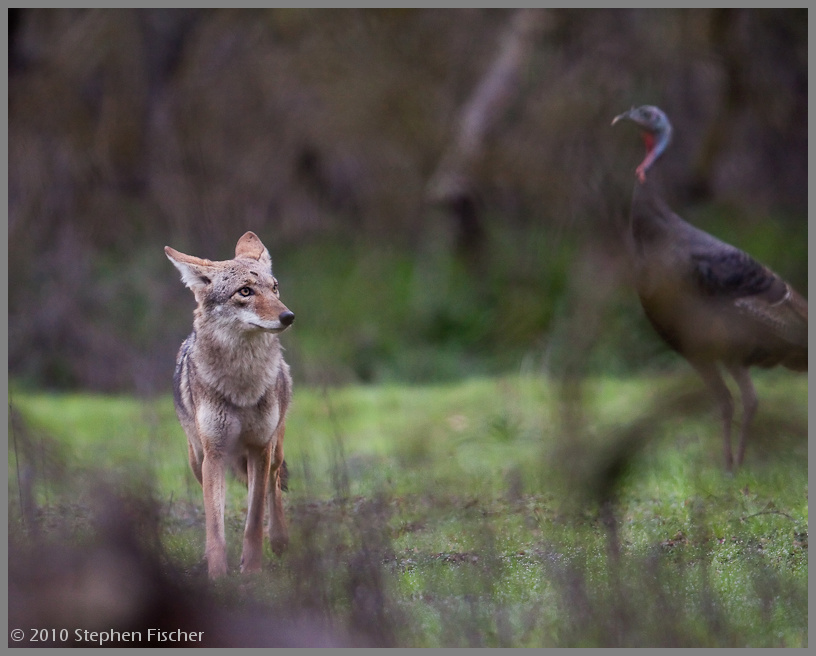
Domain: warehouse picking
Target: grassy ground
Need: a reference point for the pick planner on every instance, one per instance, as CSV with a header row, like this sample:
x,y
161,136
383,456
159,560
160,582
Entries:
x,y
492,512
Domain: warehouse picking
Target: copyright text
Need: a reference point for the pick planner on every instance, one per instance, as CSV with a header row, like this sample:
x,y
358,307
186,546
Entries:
x,y
103,637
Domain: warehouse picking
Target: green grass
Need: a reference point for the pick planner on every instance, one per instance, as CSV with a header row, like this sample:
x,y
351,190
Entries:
x,y
471,512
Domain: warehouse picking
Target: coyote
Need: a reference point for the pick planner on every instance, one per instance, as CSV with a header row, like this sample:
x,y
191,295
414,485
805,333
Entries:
x,y
231,389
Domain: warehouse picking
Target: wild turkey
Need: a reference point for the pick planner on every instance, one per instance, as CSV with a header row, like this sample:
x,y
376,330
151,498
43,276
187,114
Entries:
x,y
708,300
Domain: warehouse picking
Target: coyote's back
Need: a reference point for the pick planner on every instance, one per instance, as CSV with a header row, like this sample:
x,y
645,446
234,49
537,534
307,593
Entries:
x,y
232,388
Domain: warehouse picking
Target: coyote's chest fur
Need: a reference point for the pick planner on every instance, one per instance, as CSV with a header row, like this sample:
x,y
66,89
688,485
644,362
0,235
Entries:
x,y
254,363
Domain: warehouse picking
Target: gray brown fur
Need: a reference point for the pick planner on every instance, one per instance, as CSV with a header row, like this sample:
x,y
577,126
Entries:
x,y
232,389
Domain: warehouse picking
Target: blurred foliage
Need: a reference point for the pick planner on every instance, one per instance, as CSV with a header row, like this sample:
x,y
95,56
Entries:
x,y
320,130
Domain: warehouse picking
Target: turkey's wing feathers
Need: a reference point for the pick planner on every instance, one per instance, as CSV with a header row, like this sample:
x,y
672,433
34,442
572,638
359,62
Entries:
x,y
755,291
731,273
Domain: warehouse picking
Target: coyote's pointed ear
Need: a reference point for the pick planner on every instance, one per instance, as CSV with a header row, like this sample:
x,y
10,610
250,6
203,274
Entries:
x,y
194,271
251,246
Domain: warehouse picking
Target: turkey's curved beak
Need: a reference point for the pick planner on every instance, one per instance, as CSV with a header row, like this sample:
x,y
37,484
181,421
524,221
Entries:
x,y
621,117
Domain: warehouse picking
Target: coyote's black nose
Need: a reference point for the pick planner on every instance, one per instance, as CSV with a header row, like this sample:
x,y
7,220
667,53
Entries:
x,y
286,318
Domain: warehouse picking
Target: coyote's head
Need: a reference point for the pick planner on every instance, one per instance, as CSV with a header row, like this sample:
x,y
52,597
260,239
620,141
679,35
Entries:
x,y
241,292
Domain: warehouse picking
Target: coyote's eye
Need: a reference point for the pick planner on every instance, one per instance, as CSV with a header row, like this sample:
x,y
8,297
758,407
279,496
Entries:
x,y
245,291
275,287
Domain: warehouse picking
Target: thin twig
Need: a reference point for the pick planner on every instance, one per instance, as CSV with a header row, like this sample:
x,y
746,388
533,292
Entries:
x,y
17,461
767,512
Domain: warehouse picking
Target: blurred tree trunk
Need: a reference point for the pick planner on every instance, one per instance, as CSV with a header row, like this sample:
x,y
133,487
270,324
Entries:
x,y
725,43
452,187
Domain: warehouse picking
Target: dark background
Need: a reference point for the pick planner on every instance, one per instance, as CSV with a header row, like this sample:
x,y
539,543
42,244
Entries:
x,y
441,191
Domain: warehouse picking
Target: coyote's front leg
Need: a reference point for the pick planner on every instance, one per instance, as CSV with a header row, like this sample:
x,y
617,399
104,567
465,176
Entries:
x,y
213,482
278,531
258,460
